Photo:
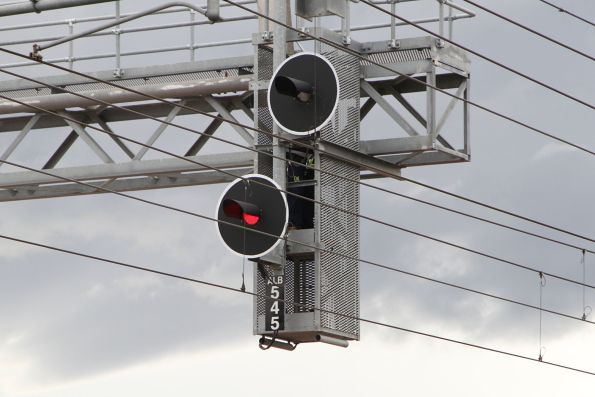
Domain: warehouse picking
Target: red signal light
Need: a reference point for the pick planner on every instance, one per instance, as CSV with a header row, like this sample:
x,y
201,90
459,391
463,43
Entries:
x,y
247,212
251,219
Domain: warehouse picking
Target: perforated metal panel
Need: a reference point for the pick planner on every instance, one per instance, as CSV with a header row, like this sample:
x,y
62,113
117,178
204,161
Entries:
x,y
264,72
326,279
264,165
300,285
339,231
398,56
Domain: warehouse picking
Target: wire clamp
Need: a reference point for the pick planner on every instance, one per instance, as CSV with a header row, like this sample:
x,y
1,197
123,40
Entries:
x,y
541,353
35,54
394,44
34,4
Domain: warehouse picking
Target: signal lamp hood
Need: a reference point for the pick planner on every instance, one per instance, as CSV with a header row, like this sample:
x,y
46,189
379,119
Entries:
x,y
299,89
247,212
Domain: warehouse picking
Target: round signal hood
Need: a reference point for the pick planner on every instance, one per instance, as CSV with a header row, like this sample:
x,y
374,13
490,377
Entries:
x,y
303,93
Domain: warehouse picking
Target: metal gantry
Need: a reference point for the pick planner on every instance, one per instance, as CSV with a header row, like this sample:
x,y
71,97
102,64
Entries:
x,y
394,75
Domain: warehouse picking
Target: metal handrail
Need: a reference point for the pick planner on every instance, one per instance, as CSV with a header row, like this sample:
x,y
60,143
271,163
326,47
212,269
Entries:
x,y
104,18
177,7
129,30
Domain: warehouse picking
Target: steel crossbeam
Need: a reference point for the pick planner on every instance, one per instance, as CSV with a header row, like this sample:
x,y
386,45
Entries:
x,y
192,84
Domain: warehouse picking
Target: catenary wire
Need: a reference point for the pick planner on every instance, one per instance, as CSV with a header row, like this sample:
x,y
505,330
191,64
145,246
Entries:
x,y
425,84
308,166
482,56
287,239
572,14
494,208
364,320
512,263
528,29
245,147
289,161
371,322
359,259
357,55
288,302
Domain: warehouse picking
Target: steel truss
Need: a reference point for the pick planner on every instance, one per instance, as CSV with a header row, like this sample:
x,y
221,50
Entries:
x,y
206,86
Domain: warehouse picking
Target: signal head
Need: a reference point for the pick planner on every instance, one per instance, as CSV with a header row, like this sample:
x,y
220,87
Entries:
x,y
303,93
252,215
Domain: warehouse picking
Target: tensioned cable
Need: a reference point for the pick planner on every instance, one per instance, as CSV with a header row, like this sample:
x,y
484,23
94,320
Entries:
x,y
563,10
293,162
425,84
485,57
515,264
198,111
281,158
488,349
288,302
308,166
287,239
528,29
357,55
289,161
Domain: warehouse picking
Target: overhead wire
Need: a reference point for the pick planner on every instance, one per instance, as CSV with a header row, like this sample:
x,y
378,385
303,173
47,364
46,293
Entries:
x,y
476,53
289,162
345,49
572,14
359,56
528,29
289,302
331,251
284,159
253,294
401,228
302,144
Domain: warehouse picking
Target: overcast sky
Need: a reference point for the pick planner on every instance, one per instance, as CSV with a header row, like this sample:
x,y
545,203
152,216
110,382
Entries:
x,y
72,327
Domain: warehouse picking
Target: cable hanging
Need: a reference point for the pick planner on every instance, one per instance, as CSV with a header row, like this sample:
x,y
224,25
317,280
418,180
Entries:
x,y
535,32
586,309
542,283
476,53
326,250
515,264
541,275
309,146
275,135
572,14
425,84
286,301
354,214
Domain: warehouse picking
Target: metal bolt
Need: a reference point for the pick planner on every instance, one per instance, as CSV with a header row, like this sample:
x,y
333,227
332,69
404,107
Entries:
x,y
394,44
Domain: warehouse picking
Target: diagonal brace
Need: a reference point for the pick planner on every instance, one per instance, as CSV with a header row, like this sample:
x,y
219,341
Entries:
x,y
160,129
375,95
399,97
19,138
451,105
203,139
226,114
103,124
88,139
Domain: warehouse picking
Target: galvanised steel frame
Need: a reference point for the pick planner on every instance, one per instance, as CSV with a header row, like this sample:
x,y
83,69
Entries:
x,y
390,72
226,87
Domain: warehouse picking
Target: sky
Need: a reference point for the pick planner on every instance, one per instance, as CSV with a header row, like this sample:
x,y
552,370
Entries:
x,y
71,326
